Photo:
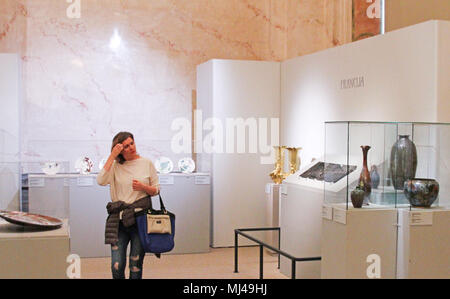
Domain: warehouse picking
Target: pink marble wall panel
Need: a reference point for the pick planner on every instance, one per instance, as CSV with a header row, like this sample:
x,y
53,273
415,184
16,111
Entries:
x,y
131,65
314,25
12,26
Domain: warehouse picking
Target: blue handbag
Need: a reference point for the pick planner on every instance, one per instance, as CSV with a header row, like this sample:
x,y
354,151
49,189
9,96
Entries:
x,y
156,229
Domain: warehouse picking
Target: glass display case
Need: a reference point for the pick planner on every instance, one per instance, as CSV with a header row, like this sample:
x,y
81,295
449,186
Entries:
x,y
386,165
9,185
45,188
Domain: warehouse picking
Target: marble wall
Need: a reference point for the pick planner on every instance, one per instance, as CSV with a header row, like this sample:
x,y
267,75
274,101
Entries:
x,y
317,25
130,65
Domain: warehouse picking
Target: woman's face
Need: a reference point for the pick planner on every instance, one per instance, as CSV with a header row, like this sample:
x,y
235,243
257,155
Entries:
x,y
129,149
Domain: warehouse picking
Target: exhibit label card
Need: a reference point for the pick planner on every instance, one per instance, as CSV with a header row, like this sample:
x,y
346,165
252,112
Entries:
x,y
202,180
340,216
166,180
420,218
85,181
36,182
283,189
327,212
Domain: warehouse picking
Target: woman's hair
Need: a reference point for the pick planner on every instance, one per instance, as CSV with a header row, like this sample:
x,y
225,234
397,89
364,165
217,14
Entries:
x,y
119,138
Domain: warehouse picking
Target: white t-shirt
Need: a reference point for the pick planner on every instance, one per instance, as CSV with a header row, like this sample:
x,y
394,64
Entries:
x,y
120,178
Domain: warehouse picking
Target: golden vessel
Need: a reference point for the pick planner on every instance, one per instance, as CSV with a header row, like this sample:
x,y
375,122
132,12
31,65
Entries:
x,y
278,174
294,160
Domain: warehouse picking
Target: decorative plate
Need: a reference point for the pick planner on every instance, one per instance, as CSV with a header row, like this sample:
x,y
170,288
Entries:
x,y
27,219
84,165
50,168
164,165
186,165
102,163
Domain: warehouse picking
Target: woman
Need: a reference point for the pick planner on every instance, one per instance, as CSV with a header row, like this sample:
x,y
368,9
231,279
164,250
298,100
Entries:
x,y
132,179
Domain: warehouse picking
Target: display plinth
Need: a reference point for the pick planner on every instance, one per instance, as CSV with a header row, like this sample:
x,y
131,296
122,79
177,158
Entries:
x,y
74,196
32,253
88,214
188,196
273,217
424,243
300,224
351,238
46,194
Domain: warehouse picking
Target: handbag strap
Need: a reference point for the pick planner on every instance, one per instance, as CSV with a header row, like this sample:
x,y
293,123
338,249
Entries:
x,y
163,208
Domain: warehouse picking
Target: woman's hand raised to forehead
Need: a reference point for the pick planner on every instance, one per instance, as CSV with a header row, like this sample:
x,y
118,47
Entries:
x,y
117,149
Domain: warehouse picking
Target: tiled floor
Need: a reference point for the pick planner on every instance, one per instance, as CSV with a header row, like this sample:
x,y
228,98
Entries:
x,y
216,264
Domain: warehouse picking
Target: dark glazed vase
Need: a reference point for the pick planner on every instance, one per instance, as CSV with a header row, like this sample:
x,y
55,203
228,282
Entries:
x,y
357,197
403,161
364,179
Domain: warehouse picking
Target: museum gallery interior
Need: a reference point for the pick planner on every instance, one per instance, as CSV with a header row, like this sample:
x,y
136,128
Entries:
x,y
316,132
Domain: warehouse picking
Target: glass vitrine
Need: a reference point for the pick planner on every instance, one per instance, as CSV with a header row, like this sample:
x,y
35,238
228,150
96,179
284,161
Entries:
x,y
387,164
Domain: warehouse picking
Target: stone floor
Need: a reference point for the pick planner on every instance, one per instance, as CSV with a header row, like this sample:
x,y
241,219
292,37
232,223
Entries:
x,y
216,264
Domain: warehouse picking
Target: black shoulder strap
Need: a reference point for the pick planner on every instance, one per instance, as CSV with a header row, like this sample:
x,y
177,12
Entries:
x,y
163,208
161,203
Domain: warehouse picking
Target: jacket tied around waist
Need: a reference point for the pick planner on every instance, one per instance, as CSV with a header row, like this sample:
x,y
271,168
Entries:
x,y
128,217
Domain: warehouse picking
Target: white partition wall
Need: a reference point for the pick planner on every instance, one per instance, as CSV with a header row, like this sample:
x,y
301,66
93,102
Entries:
x,y
9,131
246,95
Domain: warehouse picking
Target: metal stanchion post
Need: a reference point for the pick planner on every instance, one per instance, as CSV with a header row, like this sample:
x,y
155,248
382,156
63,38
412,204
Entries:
x,y
235,252
261,262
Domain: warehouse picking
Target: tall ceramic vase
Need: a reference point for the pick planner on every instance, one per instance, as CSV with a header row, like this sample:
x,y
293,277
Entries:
x,y
364,179
403,164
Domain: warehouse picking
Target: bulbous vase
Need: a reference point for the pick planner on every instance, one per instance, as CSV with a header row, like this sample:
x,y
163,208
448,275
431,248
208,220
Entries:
x,y
421,192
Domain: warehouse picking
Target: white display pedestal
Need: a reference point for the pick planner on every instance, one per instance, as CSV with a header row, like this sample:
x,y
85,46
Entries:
x,y
350,237
77,197
424,243
31,253
188,196
300,223
273,214
88,215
